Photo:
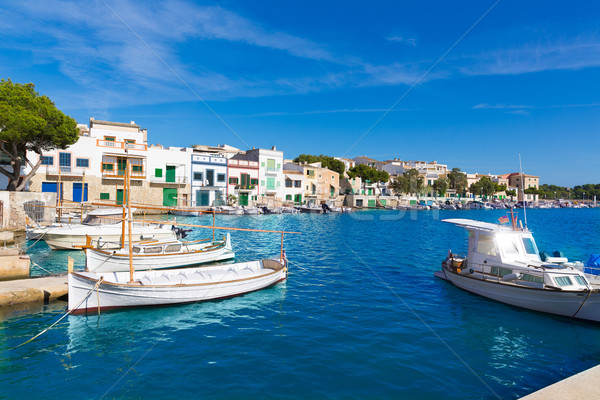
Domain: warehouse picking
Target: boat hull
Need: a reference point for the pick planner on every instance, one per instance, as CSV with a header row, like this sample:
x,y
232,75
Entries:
x,y
576,304
179,286
64,239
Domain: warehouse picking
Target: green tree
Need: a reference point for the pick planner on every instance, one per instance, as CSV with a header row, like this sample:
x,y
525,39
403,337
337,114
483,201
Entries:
x,y
410,182
511,193
367,173
326,161
30,122
457,180
440,186
484,186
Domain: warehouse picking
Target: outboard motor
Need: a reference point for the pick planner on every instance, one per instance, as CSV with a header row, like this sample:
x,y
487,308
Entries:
x,y
325,208
180,232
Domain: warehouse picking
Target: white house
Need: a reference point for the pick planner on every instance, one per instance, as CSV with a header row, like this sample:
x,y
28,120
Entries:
x,y
208,179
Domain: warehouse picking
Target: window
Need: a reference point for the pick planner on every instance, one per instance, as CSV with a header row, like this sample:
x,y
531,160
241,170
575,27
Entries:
x,y
64,159
508,245
580,280
233,181
486,245
499,271
288,197
158,172
47,160
82,162
254,181
270,164
298,184
104,196
108,167
529,244
270,183
137,168
197,176
563,281
109,138
220,177
288,183
531,278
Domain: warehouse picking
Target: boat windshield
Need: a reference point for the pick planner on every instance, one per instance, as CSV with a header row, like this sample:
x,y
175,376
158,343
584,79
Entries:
x,y
530,247
99,220
508,244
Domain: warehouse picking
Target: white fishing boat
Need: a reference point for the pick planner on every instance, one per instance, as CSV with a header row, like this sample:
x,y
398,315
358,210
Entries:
x,y
102,224
503,264
90,291
159,255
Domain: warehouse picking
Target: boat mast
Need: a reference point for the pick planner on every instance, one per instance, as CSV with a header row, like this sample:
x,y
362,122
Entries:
x,y
523,192
127,198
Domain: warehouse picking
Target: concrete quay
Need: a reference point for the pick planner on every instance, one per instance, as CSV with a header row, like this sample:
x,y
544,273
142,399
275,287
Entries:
x,y
582,386
33,290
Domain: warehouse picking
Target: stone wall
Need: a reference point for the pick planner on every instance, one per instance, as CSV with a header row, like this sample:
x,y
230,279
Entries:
x,y
13,213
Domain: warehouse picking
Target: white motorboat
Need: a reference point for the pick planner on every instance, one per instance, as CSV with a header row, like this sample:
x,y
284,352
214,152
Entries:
x,y
102,224
90,291
186,212
503,264
159,255
311,208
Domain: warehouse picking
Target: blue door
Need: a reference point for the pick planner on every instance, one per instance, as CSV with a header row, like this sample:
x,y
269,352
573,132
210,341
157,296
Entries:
x,y
202,198
52,187
78,194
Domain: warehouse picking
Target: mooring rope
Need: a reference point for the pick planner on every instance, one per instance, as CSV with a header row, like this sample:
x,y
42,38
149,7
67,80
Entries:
x,y
43,269
60,319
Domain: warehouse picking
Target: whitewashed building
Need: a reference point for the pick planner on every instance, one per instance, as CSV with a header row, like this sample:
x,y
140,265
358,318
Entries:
x,y
208,179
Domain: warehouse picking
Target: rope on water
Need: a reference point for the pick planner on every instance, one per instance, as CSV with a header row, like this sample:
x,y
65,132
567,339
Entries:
x,y
43,269
60,319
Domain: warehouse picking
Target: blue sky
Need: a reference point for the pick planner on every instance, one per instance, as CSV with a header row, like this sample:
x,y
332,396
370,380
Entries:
x,y
467,83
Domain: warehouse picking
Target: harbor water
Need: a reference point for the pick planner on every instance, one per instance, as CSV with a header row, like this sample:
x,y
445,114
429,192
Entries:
x,y
361,316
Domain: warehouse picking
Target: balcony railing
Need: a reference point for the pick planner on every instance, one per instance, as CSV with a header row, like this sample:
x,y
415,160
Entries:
x,y
121,145
120,174
179,180
65,171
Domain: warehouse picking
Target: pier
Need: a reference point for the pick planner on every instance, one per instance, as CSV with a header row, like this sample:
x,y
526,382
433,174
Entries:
x,y
582,386
32,290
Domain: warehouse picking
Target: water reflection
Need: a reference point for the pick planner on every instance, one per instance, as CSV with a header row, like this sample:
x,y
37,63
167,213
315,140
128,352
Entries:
x,y
93,332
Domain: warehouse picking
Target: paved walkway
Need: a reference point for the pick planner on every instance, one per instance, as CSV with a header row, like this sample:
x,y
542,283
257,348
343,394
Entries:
x,y
32,290
582,386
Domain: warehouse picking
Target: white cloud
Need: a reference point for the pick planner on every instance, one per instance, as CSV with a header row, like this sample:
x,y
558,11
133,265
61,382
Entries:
x,y
564,54
399,39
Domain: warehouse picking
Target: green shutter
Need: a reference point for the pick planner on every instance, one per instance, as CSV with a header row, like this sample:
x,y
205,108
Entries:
x,y
158,172
104,196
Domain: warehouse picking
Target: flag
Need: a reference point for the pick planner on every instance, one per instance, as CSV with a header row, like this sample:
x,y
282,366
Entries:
x,y
503,220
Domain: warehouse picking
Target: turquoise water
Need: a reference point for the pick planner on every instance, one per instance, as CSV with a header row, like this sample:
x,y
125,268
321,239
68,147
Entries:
x,y
361,316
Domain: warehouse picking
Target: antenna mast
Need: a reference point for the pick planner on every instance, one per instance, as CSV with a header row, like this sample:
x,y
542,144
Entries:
x,y
523,192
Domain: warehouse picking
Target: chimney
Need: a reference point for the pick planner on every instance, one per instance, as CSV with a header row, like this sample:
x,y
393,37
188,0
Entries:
x,y
132,122
273,148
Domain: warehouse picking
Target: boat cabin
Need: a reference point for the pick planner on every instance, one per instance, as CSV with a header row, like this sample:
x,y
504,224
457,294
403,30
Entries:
x,y
104,216
500,253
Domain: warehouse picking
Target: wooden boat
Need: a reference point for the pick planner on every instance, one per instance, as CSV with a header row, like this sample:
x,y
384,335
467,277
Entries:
x,y
159,255
503,264
115,290
101,224
90,291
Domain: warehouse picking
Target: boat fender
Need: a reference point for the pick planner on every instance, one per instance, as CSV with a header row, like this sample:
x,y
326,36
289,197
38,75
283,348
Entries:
x,y
466,271
511,277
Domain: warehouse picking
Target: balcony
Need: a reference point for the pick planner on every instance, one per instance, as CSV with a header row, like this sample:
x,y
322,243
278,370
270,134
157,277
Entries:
x,y
120,174
64,171
162,180
121,145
